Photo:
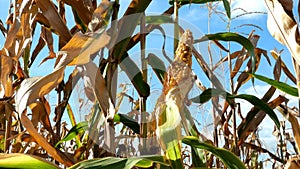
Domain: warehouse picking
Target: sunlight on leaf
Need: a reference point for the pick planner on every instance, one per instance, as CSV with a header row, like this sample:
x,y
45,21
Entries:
x,y
78,129
22,161
125,163
228,158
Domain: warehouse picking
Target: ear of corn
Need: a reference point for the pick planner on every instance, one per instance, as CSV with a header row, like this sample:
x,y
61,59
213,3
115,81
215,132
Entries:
x,y
178,81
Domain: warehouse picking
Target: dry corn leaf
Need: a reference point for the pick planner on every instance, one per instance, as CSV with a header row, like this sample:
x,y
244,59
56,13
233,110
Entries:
x,y
277,69
57,24
93,79
2,28
293,163
285,69
56,154
244,76
46,35
40,45
282,25
78,50
84,10
244,55
40,113
19,33
6,69
11,35
288,114
101,15
224,59
251,125
36,87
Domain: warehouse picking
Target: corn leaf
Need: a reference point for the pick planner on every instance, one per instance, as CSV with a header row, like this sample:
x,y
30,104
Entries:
x,y
157,65
19,161
169,131
127,26
206,95
183,2
135,75
209,93
228,158
227,8
159,19
260,105
79,128
279,85
229,36
125,163
283,26
57,24
127,121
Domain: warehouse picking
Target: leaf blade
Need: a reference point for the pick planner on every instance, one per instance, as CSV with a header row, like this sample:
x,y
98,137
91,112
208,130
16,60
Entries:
x,y
227,157
79,128
279,85
18,161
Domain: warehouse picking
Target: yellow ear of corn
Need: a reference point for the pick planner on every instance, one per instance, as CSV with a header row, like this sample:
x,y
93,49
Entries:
x,y
178,82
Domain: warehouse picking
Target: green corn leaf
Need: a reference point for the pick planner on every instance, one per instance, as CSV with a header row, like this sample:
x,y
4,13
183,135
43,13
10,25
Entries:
x,y
258,104
22,161
209,93
279,85
127,26
229,36
227,8
228,158
124,163
169,132
135,75
127,121
79,128
159,19
158,66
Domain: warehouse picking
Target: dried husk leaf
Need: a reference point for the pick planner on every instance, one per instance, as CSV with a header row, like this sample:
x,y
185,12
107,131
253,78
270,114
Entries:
x,y
36,87
84,9
282,25
253,123
293,163
57,24
94,79
288,114
78,50
56,154
6,69
46,35
285,69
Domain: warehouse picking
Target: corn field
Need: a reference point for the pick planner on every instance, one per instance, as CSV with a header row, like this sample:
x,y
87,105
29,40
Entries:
x,y
112,84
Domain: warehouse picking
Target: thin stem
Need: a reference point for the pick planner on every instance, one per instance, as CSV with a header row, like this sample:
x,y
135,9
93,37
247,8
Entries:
x,y
144,73
235,139
176,27
297,71
8,114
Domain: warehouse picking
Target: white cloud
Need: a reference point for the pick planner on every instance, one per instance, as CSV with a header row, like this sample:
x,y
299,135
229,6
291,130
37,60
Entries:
x,y
241,6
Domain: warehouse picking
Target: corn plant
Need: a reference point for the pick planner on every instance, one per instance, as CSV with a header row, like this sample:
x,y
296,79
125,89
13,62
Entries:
x,y
120,128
